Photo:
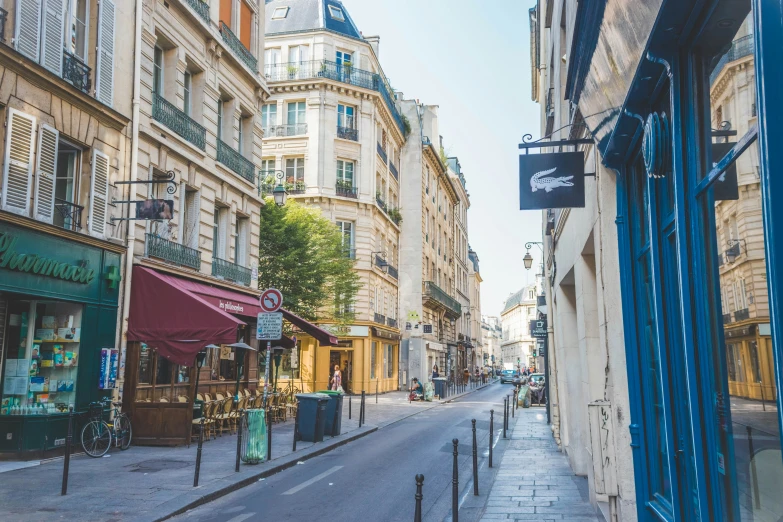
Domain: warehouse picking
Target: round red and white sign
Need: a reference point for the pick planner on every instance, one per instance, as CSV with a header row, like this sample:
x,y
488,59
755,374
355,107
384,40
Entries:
x,y
271,300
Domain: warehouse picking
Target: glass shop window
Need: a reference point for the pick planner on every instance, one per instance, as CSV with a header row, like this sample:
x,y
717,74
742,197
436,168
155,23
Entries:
x,y
160,380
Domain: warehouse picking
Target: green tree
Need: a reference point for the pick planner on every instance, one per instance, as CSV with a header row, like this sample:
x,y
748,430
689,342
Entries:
x,y
302,255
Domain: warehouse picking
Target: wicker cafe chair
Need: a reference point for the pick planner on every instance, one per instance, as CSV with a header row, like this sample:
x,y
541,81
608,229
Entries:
x,y
219,396
209,423
223,416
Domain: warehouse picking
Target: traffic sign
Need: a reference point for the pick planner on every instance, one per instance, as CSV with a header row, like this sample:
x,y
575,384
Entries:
x,y
271,300
270,326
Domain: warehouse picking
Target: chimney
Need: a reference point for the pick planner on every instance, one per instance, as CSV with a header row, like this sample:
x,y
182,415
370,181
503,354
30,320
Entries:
x,y
375,42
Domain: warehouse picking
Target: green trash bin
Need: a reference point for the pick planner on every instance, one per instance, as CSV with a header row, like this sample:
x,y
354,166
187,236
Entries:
x,y
335,405
254,435
312,416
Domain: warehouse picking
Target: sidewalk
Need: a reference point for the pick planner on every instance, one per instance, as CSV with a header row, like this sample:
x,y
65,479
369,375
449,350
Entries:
x,y
535,482
152,483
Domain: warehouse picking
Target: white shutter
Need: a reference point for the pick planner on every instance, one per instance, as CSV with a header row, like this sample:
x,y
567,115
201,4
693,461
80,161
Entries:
x,y
52,35
104,70
243,242
192,219
18,162
223,221
45,171
99,193
28,28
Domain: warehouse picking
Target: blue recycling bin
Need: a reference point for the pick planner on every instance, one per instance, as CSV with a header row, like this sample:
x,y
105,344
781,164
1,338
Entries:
x,y
441,390
312,416
333,425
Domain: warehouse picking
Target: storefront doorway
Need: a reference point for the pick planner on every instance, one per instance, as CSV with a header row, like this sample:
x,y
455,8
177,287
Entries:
x,y
343,357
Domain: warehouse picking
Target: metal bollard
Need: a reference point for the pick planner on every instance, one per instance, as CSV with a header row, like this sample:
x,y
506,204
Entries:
x,y
376,391
475,460
349,407
491,430
753,472
362,412
268,436
239,438
67,459
419,496
505,408
198,451
455,484
296,429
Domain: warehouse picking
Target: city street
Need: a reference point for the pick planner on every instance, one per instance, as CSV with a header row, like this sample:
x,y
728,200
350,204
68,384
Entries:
x,y
373,478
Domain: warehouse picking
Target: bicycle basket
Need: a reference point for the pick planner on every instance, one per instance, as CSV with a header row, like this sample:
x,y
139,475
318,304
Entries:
x,y
95,411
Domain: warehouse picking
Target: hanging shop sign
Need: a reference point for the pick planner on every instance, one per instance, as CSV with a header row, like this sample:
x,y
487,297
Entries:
x,y
155,209
552,180
726,187
538,329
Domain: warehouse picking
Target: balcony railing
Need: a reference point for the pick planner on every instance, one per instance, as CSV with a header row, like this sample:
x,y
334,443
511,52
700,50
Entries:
x,y
379,318
229,271
76,72
3,19
382,154
238,48
742,315
338,72
295,186
435,293
733,252
201,8
348,133
741,48
346,189
392,271
235,161
69,215
284,131
169,115
391,322
726,318
393,170
380,262
172,252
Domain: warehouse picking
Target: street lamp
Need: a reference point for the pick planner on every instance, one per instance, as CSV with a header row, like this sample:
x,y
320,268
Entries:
x,y
528,259
279,192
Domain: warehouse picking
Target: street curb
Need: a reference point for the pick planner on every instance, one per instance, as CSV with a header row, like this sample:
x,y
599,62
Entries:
x,y
468,392
230,488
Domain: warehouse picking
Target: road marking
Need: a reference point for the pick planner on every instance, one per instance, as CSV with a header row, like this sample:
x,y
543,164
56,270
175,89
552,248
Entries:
x,y
313,480
240,518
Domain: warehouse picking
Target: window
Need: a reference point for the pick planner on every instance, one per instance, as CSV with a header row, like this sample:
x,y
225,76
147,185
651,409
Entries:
x,y
345,117
268,169
755,368
245,135
346,228
296,113
280,13
373,359
245,24
298,54
241,240
345,173
294,170
336,13
188,82
271,62
67,214
218,241
268,116
342,58
157,71
191,219
76,24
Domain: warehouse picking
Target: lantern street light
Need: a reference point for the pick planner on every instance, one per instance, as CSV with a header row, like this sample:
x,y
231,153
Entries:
x,y
279,192
528,259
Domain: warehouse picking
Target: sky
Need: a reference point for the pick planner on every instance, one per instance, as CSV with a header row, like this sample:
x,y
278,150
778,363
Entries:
x,y
472,59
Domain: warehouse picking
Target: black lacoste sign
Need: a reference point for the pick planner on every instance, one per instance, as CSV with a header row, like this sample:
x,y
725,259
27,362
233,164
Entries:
x,y
552,180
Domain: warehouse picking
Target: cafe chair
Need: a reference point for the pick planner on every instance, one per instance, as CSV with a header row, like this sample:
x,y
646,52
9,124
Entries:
x,y
163,399
182,398
219,396
199,397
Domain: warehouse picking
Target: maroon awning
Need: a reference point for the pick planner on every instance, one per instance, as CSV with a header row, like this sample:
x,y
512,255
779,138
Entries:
x,y
321,335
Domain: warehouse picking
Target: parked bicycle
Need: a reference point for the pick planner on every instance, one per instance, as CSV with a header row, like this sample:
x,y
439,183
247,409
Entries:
x,y
97,434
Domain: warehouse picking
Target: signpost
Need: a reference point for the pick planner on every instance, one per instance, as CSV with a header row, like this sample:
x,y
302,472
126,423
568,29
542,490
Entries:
x,y
269,328
538,330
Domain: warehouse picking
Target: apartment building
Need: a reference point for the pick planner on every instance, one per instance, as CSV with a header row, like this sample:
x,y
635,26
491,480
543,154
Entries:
x,y
465,346
428,295
517,345
333,132
492,335
66,109
476,334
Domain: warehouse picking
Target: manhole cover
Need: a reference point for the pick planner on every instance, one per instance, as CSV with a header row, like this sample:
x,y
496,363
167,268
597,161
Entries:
x,y
153,466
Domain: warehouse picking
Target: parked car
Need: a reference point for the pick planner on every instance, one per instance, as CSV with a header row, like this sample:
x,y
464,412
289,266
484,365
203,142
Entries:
x,y
507,376
537,378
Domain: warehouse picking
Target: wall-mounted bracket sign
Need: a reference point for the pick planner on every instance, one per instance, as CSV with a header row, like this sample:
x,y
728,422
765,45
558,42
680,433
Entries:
x,y
151,209
726,187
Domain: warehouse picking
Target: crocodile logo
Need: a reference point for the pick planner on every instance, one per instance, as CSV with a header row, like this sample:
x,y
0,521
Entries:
x,y
539,181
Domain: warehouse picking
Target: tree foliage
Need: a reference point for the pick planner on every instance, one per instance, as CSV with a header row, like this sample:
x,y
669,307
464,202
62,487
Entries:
x,y
302,255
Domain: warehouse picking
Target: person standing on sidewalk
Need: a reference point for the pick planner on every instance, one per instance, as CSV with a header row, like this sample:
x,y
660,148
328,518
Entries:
x,y
435,373
337,379
466,373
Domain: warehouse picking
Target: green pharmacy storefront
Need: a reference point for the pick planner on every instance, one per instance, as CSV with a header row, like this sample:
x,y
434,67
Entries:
x,y
58,310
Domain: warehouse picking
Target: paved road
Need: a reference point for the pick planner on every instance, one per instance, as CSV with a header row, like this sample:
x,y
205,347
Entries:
x,y
373,478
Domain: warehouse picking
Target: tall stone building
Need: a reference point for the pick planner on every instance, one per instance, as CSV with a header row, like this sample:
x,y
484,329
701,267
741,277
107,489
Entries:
x,y
516,348
465,346
476,334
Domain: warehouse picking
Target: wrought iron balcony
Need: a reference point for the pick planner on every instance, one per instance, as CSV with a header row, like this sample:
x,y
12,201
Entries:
x,y
436,297
172,252
3,19
295,186
726,318
284,131
346,189
76,72
238,48
229,271
69,215
392,271
742,315
201,9
733,251
381,203
169,115
382,154
391,322
348,133
379,318
235,161
741,48
393,170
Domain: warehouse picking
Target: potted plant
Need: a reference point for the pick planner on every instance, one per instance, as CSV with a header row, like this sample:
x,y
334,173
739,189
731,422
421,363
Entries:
x,y
395,215
292,70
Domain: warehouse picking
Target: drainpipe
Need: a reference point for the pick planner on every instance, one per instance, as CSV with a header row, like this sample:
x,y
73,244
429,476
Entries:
x,y
131,236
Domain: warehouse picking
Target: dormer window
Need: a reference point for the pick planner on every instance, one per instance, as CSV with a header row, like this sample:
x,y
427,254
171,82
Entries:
x,y
336,13
280,13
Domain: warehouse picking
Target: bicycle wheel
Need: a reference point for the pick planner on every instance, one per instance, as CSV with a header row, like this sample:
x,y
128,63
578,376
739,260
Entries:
x,y
96,438
123,432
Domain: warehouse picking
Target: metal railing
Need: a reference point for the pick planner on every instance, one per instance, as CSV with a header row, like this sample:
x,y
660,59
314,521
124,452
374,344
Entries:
x,y
169,115
434,292
295,186
69,215
726,318
238,48
171,252
76,72
382,154
393,170
230,271
380,261
391,322
733,252
741,48
392,271
381,203
201,9
379,318
348,133
345,189
283,131
742,315
3,19
235,161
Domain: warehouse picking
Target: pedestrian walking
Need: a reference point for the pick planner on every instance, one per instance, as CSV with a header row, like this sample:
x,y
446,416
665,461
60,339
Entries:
x,y
337,379
435,373
466,373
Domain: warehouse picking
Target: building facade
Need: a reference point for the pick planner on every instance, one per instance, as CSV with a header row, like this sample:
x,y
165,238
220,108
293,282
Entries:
x,y
492,336
465,346
654,412
66,139
332,129
475,332
427,288
517,345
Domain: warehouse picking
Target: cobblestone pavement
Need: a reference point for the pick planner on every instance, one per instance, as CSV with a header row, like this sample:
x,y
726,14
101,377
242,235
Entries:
x,y
535,482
